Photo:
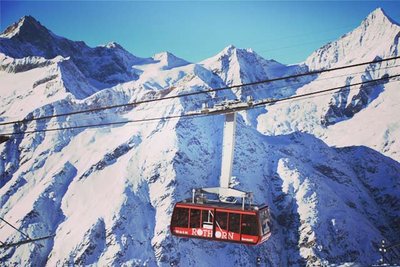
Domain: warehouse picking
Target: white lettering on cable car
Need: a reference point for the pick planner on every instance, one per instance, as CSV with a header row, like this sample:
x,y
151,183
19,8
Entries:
x,y
224,235
181,232
202,232
248,239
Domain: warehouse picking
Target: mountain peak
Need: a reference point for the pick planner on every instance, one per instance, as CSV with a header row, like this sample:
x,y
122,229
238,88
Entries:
x,y
114,45
29,20
163,55
378,16
375,37
169,60
27,26
230,49
377,13
233,50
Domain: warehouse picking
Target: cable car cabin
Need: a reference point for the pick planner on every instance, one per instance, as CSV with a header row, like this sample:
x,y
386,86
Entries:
x,y
220,221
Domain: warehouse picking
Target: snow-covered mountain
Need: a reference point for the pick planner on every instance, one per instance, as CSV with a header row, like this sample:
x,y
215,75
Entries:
x,y
377,36
328,166
241,66
357,115
102,66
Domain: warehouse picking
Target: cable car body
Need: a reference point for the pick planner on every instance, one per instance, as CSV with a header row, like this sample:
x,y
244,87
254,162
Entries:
x,y
229,214
220,221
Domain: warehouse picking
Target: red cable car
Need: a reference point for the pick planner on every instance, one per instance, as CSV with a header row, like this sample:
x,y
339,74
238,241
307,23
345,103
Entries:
x,y
223,218
219,221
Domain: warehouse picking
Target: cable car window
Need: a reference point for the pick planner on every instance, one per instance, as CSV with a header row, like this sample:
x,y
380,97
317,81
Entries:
x,y
234,223
249,225
207,219
221,219
194,218
264,219
180,218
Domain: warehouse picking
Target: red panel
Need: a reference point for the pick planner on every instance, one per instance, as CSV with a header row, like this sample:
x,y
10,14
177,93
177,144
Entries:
x,y
206,230
180,231
204,207
195,232
180,205
225,235
250,238
236,211
201,232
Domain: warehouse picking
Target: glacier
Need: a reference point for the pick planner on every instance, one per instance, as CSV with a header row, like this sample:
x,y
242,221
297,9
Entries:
x,y
328,166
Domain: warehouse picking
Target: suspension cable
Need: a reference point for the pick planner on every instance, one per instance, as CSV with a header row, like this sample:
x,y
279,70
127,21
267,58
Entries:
x,y
203,92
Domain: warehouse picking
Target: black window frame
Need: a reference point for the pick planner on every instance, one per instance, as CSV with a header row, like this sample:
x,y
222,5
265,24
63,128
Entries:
x,y
233,214
218,220
179,219
192,221
249,225
204,216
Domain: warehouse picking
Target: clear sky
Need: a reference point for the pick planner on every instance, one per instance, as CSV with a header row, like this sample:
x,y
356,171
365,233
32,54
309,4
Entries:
x,y
286,31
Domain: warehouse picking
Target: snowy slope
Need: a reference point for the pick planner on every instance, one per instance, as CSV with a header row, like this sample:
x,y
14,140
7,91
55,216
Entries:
x,y
329,175
368,111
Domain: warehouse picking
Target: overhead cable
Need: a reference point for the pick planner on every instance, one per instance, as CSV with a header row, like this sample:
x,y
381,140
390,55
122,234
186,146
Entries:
x,y
263,103
385,78
200,92
15,228
26,241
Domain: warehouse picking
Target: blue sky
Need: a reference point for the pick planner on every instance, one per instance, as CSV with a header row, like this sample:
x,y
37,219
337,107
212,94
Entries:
x,y
285,31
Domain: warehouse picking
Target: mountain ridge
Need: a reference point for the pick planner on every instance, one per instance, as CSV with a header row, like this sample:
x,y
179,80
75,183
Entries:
x,y
26,24
377,30
102,66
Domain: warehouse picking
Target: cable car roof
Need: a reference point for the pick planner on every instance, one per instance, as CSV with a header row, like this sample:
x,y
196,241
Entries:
x,y
223,205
